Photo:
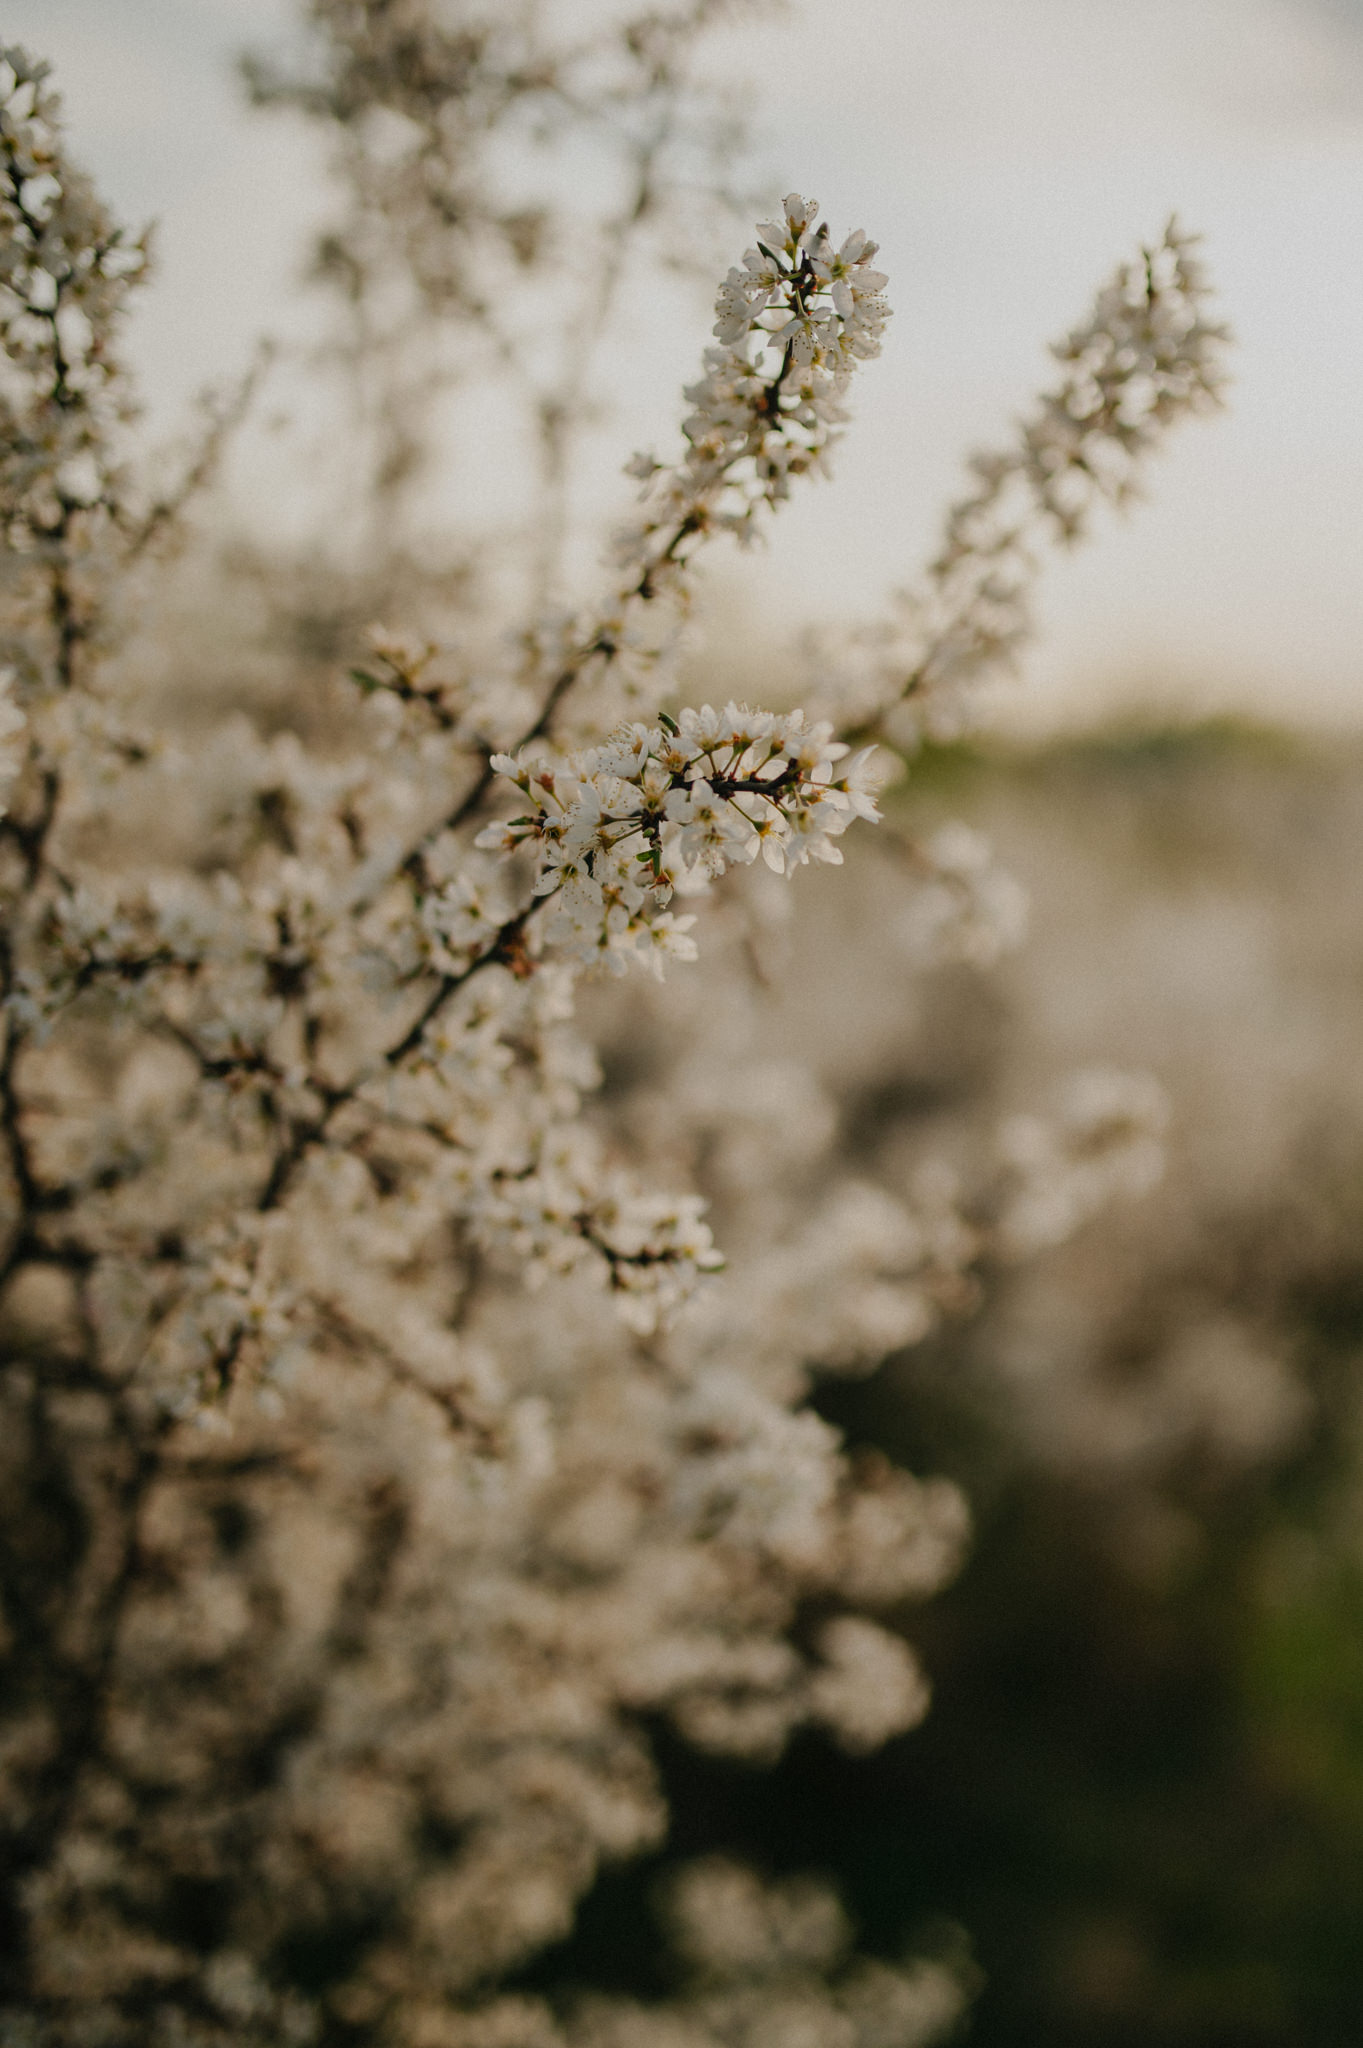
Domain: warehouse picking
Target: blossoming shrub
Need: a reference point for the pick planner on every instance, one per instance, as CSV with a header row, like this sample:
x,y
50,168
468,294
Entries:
x,y
352,1541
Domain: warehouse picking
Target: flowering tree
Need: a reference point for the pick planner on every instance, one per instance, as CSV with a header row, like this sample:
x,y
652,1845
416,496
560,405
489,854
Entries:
x,y
384,1451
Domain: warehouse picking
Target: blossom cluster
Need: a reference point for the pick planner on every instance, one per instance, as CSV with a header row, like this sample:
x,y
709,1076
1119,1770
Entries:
x,y
791,324
615,829
967,907
66,273
1108,1137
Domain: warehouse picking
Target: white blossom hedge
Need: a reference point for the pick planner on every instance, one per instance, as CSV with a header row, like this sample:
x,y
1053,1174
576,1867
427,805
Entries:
x,y
385,1447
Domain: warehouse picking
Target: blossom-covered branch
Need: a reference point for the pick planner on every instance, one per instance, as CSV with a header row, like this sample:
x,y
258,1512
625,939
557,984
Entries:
x,y
1149,355
614,829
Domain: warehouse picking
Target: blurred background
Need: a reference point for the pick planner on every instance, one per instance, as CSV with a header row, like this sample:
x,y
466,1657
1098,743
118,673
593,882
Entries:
x,y
1141,1787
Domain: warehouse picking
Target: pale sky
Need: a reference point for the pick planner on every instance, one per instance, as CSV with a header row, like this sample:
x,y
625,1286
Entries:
x,y
1005,153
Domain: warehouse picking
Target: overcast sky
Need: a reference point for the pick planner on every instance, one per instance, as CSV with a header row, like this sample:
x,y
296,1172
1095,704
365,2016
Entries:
x,y
1005,153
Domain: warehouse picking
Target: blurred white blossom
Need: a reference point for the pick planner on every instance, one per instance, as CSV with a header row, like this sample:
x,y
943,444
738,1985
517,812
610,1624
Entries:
x,y
397,1543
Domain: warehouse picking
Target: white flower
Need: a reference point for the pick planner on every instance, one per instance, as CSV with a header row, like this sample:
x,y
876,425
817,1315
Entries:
x,y
857,783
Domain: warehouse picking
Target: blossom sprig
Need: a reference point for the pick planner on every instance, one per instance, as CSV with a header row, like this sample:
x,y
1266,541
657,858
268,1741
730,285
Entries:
x,y
65,270
1149,354
569,1213
402,667
616,827
791,324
